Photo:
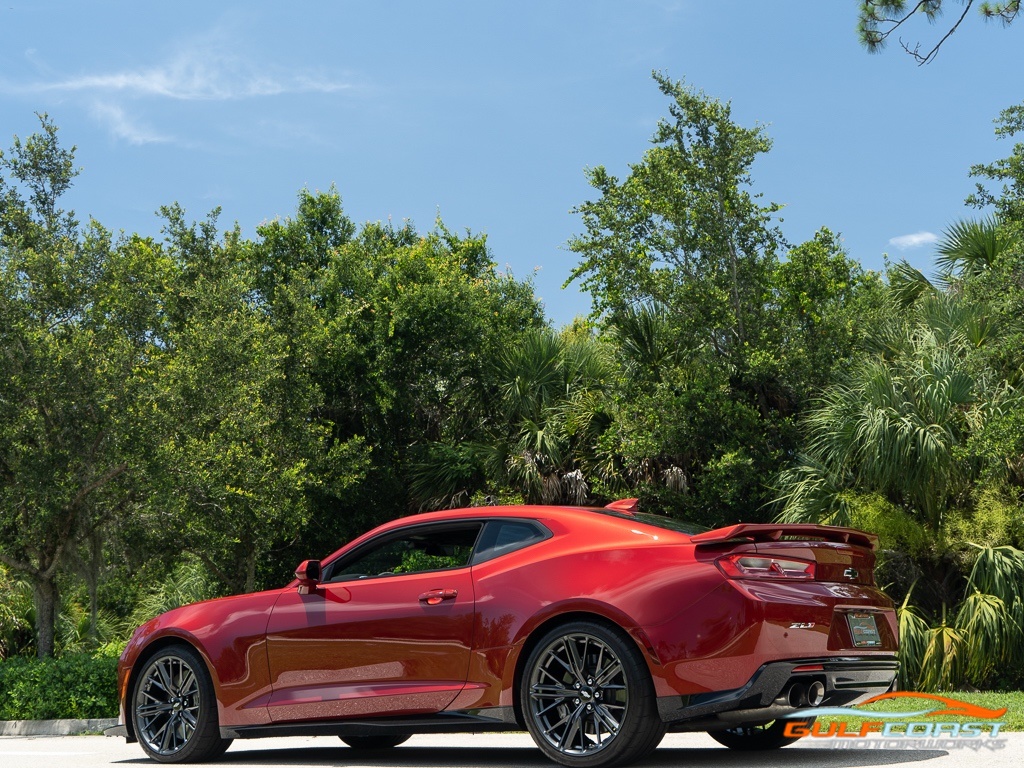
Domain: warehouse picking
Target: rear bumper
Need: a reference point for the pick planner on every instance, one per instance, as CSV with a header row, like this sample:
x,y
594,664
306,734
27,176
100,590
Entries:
x,y
847,680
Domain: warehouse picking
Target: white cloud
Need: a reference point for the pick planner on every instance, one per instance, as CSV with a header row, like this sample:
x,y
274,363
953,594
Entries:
x,y
916,240
196,74
123,127
212,67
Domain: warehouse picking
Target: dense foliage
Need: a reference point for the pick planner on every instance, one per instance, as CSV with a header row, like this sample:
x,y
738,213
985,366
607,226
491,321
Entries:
x,y
190,416
79,686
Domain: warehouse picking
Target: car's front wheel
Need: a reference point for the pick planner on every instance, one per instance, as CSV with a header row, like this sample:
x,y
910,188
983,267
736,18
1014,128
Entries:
x,y
174,710
749,738
587,697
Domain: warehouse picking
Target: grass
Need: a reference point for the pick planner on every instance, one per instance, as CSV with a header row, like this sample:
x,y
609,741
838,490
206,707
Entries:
x,y
1013,701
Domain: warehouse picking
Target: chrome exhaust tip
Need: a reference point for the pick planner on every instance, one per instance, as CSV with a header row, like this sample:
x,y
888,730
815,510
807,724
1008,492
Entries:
x,y
816,693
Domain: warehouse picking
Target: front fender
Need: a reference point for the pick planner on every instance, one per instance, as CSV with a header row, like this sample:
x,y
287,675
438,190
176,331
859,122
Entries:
x,y
230,635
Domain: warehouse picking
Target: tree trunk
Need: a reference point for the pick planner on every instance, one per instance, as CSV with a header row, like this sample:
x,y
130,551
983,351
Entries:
x,y
46,597
250,570
736,303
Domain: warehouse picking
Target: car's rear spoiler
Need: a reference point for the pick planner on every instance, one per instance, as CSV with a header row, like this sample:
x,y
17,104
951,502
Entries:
x,y
787,531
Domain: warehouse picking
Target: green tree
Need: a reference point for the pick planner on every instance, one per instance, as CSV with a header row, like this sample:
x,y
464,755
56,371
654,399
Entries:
x,y
1008,201
684,230
878,19
415,325
685,236
241,447
719,341
75,358
899,422
826,304
999,444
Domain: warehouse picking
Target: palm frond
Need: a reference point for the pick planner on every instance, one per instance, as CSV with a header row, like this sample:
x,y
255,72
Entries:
x,y
987,628
189,582
532,375
971,246
811,493
999,571
907,284
942,667
913,632
445,474
644,339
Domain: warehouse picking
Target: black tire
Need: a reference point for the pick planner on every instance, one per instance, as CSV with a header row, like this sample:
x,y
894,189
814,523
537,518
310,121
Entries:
x,y
376,742
587,697
751,738
174,709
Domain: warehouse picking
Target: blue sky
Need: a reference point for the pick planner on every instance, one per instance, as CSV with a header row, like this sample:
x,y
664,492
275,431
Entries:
x,y
488,112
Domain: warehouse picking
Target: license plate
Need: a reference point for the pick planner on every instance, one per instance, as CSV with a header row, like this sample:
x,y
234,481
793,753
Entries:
x,y
864,630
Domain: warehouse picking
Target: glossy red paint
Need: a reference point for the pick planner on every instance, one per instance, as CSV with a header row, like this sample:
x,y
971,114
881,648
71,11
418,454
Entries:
x,y
381,647
231,635
370,648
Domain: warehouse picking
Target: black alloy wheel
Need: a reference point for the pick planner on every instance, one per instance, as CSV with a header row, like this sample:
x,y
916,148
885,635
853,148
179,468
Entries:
x,y
174,710
587,697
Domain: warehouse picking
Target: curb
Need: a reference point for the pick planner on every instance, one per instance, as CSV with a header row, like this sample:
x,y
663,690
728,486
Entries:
x,y
54,727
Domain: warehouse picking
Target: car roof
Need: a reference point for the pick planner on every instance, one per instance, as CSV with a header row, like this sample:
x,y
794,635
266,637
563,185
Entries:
x,y
530,511
613,519
593,519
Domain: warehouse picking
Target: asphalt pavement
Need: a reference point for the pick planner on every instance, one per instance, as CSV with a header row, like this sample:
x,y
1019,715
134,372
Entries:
x,y
498,751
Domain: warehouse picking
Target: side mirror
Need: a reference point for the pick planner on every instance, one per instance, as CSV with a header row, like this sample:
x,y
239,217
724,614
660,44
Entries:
x,y
309,574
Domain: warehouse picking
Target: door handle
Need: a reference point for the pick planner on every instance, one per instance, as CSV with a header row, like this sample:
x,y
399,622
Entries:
x,y
438,596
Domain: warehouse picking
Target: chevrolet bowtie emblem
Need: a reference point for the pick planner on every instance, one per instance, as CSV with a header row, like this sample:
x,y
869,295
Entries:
x,y
851,573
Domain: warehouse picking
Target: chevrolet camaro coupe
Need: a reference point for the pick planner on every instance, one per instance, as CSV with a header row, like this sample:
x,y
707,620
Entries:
x,y
597,630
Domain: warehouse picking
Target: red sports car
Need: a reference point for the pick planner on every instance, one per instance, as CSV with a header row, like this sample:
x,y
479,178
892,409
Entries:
x,y
597,630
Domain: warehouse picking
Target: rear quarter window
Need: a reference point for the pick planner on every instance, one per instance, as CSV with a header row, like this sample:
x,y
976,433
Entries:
x,y
500,537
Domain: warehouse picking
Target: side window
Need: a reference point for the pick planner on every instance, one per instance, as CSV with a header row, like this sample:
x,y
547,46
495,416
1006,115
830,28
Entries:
x,y
503,536
425,549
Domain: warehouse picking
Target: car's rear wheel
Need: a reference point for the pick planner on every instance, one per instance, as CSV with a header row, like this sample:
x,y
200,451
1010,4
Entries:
x,y
375,742
587,697
750,738
174,710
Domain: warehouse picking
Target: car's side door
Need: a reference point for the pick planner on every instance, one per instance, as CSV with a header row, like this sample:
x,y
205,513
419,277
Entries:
x,y
388,630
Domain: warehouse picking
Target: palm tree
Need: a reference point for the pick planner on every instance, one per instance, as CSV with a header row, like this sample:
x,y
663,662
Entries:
x,y
647,345
556,399
543,443
972,246
984,636
895,425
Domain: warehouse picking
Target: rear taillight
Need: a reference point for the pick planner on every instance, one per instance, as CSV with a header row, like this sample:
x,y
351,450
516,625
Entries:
x,y
754,567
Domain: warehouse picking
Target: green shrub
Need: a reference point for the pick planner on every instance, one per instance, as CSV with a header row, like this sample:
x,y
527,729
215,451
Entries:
x,y
80,686
17,615
995,520
897,530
